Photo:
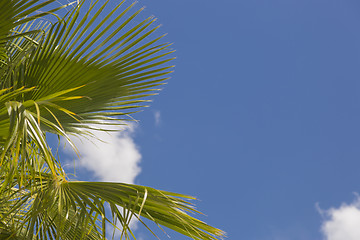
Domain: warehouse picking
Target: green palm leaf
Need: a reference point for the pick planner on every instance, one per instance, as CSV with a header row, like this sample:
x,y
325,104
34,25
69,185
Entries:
x,y
82,71
113,75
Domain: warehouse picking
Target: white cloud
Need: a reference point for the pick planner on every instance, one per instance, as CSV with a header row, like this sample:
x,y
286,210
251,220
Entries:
x,y
343,222
157,116
113,156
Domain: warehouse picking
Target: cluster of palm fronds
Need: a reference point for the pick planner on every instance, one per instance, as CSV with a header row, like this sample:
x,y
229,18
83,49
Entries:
x,y
64,77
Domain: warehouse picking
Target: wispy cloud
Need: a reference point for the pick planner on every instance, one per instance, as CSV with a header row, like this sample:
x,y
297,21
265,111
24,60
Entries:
x,y
111,157
157,116
342,222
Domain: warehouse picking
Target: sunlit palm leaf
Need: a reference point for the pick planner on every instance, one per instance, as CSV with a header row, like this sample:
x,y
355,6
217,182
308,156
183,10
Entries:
x,y
65,207
65,77
121,68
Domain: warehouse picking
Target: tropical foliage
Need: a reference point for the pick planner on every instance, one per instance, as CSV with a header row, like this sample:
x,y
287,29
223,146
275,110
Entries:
x,y
65,69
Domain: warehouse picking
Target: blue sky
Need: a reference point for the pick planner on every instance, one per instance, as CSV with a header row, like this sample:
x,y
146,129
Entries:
x,y
260,120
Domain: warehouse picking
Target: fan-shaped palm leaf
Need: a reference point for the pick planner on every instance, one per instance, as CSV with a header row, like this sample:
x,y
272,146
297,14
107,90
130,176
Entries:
x,y
66,77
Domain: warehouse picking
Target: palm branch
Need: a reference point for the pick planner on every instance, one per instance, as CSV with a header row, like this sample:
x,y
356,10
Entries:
x,y
67,76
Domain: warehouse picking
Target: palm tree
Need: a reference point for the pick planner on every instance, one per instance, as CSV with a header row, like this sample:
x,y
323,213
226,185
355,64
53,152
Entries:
x,y
65,70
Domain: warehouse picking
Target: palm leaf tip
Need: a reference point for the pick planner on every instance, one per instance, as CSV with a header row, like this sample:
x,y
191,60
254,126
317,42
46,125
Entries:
x,y
164,208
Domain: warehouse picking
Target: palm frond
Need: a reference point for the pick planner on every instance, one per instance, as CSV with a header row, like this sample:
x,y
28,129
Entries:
x,y
79,209
114,74
65,77
18,12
